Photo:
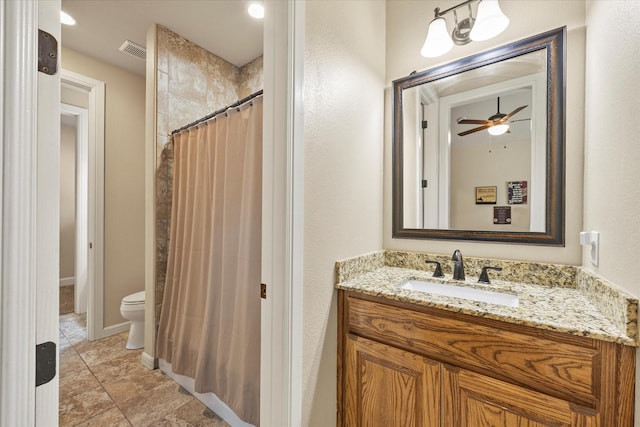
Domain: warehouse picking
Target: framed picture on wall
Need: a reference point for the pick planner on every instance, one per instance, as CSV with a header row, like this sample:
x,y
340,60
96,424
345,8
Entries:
x,y
517,192
486,195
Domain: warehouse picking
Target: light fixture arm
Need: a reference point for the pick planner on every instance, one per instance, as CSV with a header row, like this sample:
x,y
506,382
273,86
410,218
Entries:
x,y
438,14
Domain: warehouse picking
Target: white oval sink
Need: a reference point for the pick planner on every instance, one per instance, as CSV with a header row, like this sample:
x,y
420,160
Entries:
x,y
468,293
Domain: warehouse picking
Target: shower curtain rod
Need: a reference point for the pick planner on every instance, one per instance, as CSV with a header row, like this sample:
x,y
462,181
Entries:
x,y
220,111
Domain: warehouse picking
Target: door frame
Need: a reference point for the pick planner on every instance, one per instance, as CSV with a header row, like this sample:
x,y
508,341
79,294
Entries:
x,y
18,163
91,160
282,215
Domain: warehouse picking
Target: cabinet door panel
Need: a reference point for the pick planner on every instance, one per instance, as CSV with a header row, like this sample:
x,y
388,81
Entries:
x,y
388,387
523,358
473,400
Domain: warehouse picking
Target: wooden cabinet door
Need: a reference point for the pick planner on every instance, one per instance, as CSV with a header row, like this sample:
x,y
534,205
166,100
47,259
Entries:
x,y
388,387
474,400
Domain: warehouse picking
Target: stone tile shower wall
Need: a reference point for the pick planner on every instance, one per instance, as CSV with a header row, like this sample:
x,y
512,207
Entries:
x,y
191,83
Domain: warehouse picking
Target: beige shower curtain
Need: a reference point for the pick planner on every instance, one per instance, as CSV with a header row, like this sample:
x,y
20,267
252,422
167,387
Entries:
x,y
209,326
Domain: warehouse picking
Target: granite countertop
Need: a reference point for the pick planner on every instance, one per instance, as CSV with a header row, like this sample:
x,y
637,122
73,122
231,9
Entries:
x,y
587,308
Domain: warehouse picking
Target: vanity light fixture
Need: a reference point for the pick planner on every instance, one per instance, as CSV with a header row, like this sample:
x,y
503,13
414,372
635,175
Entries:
x,y
66,19
489,22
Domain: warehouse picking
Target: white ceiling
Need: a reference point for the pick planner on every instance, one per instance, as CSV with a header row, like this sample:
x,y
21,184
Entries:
x,y
222,27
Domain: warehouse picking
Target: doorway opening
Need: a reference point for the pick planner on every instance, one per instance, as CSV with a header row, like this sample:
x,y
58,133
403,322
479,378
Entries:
x,y
82,104
73,208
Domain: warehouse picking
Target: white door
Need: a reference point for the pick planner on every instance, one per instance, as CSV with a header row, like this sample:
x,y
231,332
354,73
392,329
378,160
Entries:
x,y
29,212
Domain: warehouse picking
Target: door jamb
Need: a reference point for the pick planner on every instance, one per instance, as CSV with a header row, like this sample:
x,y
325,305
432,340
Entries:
x,y
282,215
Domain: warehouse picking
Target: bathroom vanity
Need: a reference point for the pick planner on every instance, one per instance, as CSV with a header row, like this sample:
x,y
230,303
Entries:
x,y
411,358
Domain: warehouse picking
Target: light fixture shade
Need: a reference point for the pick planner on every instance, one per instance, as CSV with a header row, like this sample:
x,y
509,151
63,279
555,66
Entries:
x,y
498,129
256,10
490,21
438,41
66,19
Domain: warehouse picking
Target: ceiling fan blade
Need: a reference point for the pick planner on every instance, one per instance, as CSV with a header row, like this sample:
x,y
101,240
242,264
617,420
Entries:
x,y
519,120
514,112
479,128
472,122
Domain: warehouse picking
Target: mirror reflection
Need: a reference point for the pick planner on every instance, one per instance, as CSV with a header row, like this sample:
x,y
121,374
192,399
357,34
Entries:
x,y
478,146
484,128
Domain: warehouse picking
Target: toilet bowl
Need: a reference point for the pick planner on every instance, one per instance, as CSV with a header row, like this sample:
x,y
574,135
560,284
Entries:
x,y
132,309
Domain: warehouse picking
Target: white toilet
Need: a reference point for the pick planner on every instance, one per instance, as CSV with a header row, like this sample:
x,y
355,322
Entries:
x,y
132,309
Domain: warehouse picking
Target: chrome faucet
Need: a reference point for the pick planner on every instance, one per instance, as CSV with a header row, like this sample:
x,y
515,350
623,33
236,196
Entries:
x,y
458,265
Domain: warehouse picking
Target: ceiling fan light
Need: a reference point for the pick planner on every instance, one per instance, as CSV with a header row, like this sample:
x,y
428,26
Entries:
x,y
490,21
256,10
498,129
438,41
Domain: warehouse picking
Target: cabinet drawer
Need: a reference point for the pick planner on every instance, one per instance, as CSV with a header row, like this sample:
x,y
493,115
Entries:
x,y
557,368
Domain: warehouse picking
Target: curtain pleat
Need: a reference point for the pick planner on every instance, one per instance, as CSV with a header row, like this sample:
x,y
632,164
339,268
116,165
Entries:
x,y
209,325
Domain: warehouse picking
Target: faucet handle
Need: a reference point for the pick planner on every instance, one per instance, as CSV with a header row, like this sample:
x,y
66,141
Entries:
x,y
438,271
484,277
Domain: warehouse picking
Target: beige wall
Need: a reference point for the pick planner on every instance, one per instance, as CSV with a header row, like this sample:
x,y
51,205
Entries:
x,y
124,178
406,30
612,154
476,165
343,116
67,201
191,83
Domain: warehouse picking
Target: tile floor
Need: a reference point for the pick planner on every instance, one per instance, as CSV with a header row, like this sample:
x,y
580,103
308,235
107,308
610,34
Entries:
x,y
67,293
103,384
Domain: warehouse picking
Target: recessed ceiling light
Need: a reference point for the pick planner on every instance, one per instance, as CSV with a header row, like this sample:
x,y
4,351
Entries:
x,y
256,10
67,19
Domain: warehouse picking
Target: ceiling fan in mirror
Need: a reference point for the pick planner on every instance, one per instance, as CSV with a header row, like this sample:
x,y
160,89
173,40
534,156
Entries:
x,y
497,124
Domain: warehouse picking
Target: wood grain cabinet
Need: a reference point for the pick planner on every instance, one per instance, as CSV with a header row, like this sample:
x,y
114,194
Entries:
x,y
405,365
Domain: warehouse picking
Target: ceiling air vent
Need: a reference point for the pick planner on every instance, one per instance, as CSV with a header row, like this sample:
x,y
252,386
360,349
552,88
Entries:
x,y
134,49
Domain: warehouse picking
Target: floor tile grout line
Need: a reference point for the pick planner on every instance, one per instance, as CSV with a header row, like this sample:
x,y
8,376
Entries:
x,y
118,406
99,385
92,367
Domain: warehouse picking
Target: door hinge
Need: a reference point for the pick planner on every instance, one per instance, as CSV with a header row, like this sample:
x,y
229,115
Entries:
x,y
45,362
424,183
263,291
47,53
425,124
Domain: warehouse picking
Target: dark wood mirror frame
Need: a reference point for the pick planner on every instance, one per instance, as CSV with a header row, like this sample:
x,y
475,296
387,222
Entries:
x,y
555,44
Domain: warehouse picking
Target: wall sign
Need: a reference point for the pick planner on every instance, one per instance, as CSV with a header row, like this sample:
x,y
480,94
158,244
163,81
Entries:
x,y
517,192
502,214
486,195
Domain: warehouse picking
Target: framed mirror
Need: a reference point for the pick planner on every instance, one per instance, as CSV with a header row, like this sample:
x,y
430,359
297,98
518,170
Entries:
x,y
479,146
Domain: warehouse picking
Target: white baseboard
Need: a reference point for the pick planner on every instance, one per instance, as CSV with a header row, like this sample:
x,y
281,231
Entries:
x,y
65,281
148,361
115,329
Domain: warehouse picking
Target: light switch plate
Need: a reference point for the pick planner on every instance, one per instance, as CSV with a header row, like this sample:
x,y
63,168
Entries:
x,y
591,238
